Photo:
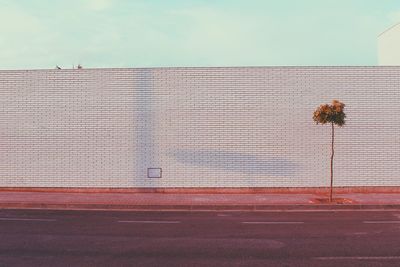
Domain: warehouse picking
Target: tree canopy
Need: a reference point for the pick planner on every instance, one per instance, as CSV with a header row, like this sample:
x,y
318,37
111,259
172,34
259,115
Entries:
x,y
330,113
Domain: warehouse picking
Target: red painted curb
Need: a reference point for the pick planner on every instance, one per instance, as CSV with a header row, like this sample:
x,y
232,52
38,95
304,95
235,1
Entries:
x,y
211,190
69,206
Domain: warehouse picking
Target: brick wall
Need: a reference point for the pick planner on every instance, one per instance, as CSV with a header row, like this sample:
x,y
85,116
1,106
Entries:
x,y
205,127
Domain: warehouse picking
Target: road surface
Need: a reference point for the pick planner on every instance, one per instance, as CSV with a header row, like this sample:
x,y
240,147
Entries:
x,y
113,238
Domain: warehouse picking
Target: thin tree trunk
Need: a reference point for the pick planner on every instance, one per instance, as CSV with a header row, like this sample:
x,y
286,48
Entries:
x,y
332,154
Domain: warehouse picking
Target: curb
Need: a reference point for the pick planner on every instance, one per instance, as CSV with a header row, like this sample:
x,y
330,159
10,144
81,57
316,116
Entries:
x,y
130,207
209,190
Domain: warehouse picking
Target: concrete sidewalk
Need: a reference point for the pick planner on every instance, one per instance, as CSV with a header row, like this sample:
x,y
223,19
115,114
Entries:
x,y
180,201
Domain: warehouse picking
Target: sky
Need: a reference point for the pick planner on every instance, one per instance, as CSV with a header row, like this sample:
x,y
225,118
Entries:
x,y
40,34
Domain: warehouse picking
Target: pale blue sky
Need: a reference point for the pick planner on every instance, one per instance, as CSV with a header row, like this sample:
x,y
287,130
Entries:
x,y
158,33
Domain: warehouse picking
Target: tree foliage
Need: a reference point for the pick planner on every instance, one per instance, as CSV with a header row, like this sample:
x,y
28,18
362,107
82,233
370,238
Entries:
x,y
330,113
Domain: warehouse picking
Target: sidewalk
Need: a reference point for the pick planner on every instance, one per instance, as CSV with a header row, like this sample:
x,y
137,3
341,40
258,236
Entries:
x,y
170,201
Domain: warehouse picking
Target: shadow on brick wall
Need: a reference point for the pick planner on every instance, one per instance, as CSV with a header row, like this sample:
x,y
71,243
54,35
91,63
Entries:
x,y
237,162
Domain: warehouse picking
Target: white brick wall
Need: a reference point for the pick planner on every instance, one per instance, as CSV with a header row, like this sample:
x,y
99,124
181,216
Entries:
x,y
205,127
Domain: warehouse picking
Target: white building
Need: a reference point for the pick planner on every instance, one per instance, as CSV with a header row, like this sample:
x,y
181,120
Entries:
x,y
389,46
239,127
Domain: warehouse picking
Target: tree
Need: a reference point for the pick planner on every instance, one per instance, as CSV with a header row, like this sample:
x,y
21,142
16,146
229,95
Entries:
x,y
333,114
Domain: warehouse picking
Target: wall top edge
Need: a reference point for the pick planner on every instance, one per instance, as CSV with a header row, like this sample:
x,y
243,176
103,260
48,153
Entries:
x,y
389,29
219,67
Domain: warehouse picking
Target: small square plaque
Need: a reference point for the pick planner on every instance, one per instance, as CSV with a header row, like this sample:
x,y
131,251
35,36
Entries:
x,y
154,172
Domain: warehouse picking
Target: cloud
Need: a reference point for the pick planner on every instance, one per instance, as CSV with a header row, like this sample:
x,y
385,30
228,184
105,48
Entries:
x,y
394,16
143,33
21,34
214,36
98,5
15,20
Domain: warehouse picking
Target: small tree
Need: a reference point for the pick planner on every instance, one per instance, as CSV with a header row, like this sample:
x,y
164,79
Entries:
x,y
333,114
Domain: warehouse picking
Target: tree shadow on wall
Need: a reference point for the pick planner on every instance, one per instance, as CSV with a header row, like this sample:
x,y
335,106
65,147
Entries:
x,y
237,162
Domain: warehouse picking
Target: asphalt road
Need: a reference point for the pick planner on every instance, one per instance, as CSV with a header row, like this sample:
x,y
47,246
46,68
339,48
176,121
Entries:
x,y
110,238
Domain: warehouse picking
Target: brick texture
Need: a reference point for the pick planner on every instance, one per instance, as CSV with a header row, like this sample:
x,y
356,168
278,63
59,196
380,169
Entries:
x,y
205,127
